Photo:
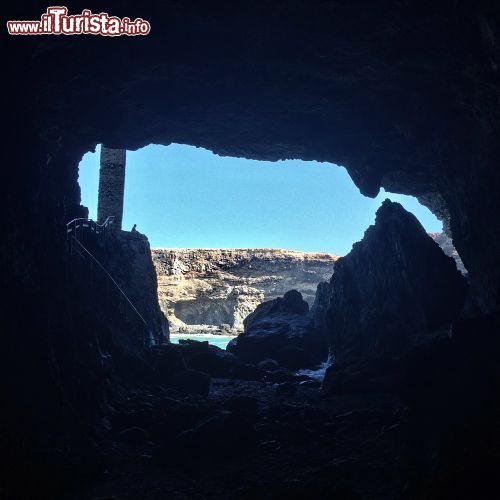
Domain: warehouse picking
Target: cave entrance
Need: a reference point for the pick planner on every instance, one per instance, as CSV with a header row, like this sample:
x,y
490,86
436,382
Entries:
x,y
214,223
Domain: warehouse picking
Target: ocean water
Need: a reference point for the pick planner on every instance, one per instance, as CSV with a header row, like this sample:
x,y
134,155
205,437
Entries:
x,y
217,340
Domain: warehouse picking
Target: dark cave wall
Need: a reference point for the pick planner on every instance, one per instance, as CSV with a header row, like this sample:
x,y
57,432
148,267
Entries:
x,y
403,94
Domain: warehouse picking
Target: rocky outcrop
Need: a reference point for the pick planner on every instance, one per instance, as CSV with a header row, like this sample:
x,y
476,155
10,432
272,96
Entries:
x,y
120,269
129,262
281,329
210,288
395,285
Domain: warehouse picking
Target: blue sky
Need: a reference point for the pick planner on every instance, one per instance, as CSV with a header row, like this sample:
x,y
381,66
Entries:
x,y
186,197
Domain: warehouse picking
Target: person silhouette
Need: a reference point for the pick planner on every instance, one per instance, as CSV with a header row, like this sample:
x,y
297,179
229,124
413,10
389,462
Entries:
x,y
134,228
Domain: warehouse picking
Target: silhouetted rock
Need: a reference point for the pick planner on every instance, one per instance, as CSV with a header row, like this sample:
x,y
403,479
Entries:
x,y
215,361
167,361
394,286
268,365
208,358
244,371
321,301
280,329
363,376
293,357
191,382
451,389
130,263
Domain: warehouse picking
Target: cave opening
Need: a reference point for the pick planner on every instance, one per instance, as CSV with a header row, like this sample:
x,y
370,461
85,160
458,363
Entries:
x,y
405,96
213,223
183,196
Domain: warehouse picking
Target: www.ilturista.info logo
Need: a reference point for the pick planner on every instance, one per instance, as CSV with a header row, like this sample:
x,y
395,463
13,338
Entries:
x,y
56,21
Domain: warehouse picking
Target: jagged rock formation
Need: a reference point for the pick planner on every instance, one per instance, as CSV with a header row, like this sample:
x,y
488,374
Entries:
x,y
396,284
200,287
281,329
446,244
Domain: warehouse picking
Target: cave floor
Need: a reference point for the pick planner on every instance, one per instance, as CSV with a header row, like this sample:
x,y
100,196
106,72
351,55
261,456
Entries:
x,y
291,444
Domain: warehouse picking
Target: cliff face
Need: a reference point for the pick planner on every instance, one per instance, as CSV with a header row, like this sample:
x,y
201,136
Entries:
x,y
131,266
120,270
222,286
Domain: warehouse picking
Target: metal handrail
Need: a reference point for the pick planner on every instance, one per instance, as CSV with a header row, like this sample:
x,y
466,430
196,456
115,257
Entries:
x,y
91,225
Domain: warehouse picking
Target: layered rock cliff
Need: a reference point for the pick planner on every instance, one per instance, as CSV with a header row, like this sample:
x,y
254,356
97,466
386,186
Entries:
x,y
218,287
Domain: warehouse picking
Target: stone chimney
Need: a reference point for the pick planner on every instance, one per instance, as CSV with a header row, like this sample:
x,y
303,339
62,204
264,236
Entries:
x,y
111,185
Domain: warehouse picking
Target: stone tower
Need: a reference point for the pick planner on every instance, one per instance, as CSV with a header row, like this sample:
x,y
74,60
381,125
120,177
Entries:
x,y
111,185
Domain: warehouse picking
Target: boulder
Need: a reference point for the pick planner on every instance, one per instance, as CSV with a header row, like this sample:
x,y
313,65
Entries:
x,y
189,346
280,329
395,286
244,371
294,358
208,358
268,365
167,360
173,367
191,382
217,362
